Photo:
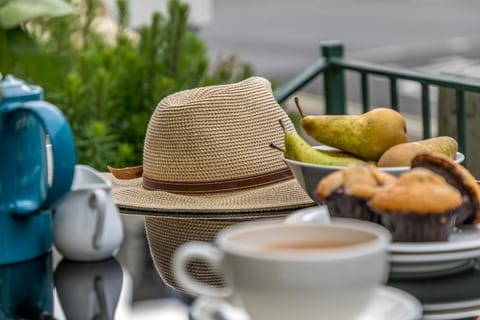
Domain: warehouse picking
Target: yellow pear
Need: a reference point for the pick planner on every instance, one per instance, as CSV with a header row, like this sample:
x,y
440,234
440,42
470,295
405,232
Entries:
x,y
296,148
367,135
402,154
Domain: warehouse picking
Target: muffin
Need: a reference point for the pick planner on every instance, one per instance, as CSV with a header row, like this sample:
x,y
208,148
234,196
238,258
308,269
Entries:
x,y
459,177
420,206
346,191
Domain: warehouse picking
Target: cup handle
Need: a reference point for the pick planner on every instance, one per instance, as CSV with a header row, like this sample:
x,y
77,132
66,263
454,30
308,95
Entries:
x,y
63,150
206,252
97,202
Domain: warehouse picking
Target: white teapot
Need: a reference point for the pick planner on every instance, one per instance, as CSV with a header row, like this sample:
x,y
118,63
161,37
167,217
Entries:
x,y
86,222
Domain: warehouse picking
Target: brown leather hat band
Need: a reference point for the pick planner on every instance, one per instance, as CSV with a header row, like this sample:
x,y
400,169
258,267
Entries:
x,y
218,186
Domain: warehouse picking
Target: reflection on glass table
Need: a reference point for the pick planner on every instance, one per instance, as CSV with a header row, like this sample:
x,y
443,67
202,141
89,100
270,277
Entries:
x,y
105,290
128,287
26,289
88,290
50,287
448,297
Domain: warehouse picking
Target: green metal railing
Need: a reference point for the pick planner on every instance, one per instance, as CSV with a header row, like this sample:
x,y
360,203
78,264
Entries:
x,y
332,66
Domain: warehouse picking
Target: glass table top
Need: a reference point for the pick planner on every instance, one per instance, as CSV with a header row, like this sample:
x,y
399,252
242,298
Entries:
x,y
127,286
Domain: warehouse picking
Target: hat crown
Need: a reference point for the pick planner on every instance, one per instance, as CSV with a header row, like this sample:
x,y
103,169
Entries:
x,y
215,133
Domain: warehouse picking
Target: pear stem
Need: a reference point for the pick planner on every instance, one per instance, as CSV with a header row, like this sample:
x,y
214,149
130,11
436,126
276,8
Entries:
x,y
297,103
274,146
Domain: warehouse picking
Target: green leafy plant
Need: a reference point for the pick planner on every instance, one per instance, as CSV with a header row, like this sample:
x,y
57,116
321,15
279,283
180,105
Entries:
x,y
15,13
17,49
109,85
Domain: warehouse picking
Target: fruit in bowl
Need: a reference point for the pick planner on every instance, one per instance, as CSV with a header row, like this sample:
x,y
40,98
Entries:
x,y
296,148
308,174
364,138
402,154
367,135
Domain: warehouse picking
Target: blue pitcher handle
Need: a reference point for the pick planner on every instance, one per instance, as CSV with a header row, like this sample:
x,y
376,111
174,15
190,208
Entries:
x,y
63,150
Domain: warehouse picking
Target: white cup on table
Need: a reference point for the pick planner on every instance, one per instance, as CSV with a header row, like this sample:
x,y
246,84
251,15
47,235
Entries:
x,y
87,223
293,271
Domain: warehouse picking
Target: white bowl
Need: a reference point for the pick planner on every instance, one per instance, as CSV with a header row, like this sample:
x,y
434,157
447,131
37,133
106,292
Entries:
x,y
308,175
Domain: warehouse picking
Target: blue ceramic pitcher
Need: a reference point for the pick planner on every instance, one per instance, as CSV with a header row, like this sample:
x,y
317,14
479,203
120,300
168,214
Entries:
x,y
26,195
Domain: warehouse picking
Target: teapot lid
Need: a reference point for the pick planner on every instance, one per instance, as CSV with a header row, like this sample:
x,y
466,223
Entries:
x,y
13,89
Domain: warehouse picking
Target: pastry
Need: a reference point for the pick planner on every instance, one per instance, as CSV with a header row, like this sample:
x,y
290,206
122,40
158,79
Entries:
x,y
459,177
346,191
420,206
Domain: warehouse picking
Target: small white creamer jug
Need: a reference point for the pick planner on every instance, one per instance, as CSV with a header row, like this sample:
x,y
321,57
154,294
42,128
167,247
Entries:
x,y
87,224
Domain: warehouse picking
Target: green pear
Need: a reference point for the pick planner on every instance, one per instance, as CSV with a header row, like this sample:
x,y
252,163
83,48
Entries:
x,y
402,154
367,135
296,148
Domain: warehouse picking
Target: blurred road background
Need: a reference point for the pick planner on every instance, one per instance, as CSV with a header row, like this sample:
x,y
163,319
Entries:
x,y
281,37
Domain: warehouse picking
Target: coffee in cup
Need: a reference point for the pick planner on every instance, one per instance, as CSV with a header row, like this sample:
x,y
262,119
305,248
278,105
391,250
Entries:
x,y
293,271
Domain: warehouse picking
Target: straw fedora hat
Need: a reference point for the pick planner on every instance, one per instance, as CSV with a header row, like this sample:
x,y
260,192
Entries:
x,y
208,150
207,164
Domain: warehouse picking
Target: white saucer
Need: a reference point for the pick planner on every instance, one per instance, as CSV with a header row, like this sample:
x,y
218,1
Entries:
x,y
210,308
449,307
452,314
392,304
464,238
389,304
435,257
430,269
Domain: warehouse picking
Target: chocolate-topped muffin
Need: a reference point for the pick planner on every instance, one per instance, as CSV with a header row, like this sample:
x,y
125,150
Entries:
x,y
420,206
346,191
459,177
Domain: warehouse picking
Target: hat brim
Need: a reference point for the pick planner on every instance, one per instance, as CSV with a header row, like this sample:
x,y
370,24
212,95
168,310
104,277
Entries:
x,y
283,196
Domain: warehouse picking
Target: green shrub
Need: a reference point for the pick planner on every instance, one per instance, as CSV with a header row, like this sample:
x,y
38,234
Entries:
x,y
108,88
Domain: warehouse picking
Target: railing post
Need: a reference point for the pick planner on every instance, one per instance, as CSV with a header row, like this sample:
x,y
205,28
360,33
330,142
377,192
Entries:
x,y
334,78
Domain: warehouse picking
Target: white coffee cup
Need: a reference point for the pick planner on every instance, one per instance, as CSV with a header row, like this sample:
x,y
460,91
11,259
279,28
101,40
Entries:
x,y
334,276
87,224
